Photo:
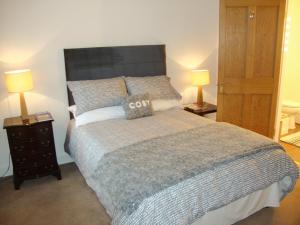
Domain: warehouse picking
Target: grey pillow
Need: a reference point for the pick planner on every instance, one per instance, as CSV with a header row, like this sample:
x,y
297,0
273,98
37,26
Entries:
x,y
159,87
137,106
93,94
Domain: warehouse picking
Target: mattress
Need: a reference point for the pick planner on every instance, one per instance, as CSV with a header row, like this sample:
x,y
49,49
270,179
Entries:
x,y
88,144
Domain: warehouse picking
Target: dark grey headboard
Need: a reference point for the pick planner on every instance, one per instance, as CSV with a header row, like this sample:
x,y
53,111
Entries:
x,y
108,62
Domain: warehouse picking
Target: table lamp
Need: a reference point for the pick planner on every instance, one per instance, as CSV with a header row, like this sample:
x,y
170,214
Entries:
x,y
200,78
19,81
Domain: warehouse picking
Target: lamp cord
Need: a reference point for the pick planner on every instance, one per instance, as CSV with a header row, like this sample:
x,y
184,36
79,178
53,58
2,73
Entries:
x,y
8,168
9,156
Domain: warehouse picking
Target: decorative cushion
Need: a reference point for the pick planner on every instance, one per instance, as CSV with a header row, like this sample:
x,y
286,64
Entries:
x,y
93,94
137,106
159,87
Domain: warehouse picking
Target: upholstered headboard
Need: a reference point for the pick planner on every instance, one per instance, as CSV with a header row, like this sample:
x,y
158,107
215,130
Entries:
x,y
108,62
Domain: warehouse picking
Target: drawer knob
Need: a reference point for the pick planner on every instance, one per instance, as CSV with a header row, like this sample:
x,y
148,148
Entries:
x,y
44,130
45,143
19,148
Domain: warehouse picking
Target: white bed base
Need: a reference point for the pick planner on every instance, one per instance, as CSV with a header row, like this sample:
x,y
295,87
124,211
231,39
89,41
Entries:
x,y
244,207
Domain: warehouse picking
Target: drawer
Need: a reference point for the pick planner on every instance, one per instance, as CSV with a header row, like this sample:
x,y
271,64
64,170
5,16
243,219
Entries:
x,y
43,150
47,168
34,161
20,133
21,148
24,172
44,143
29,149
38,165
22,161
47,156
43,130
36,172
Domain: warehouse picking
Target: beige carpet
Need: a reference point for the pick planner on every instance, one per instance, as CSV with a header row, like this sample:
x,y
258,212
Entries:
x,y
71,202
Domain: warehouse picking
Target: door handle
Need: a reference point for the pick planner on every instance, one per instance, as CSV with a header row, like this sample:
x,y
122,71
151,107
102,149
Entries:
x,y
221,89
251,14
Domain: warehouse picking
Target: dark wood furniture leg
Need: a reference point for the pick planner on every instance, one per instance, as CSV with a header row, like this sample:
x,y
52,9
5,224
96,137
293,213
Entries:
x,y
17,183
57,175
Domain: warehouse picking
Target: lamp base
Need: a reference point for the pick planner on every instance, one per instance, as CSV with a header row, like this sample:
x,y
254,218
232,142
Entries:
x,y
25,120
24,112
200,102
197,106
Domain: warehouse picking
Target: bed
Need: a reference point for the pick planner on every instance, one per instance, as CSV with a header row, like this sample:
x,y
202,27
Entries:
x,y
200,195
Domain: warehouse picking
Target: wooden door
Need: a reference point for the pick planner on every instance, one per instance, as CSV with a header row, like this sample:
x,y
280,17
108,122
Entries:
x,y
251,36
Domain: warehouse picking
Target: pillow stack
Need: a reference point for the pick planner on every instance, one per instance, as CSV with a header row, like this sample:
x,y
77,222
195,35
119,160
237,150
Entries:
x,y
130,97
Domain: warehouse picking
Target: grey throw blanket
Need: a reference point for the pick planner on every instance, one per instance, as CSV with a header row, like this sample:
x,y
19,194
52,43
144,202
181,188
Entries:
x,y
133,173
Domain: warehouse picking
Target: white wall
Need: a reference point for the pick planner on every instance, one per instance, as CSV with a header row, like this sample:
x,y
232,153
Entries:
x,y
33,34
291,66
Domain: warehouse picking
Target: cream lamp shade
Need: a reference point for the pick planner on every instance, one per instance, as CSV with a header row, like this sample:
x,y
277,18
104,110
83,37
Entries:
x,y
200,77
18,81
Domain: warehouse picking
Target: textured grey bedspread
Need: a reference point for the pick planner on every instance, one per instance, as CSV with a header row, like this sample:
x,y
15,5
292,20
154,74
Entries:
x,y
136,172
184,202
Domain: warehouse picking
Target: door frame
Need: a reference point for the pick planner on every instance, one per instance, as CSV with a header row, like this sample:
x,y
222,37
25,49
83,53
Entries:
x,y
276,102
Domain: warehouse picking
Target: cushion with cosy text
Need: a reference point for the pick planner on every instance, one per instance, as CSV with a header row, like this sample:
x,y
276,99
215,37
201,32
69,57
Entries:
x,y
137,106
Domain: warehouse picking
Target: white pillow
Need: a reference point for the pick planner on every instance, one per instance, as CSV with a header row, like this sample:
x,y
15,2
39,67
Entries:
x,y
101,114
72,109
163,104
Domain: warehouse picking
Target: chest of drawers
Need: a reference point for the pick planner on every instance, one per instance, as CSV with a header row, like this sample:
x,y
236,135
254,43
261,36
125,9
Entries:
x,y
32,148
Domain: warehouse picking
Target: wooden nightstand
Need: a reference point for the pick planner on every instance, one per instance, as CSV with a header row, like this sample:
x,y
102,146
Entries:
x,y
201,111
32,147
